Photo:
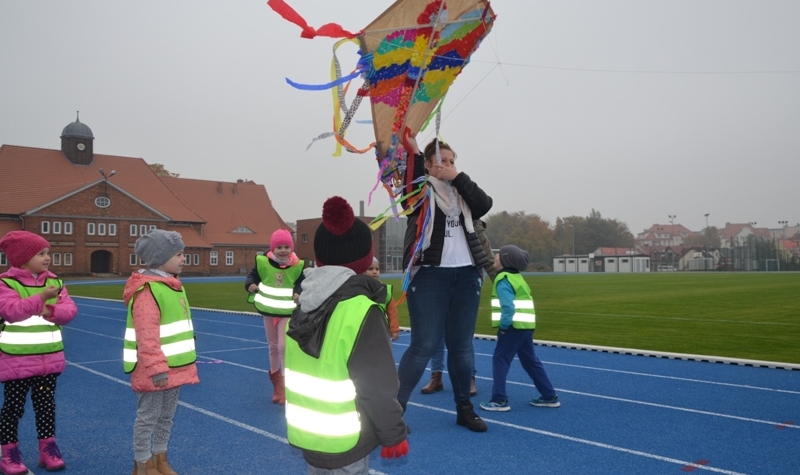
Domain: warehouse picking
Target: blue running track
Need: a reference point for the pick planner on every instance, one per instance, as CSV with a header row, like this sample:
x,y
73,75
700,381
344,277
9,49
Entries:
x,y
620,414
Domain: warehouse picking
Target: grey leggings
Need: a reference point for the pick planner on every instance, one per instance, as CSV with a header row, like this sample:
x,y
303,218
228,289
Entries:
x,y
153,424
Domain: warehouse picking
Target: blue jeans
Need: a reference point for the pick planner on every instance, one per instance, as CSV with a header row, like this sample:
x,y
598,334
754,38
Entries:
x,y
437,360
518,342
441,301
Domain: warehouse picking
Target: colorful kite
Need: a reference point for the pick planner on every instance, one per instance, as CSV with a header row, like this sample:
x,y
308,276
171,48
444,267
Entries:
x,y
409,57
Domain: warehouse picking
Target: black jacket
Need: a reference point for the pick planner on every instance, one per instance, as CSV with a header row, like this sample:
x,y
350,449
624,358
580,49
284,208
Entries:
x,y
479,203
371,368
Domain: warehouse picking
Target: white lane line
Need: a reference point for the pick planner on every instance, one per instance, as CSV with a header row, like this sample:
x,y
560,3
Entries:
x,y
682,463
690,319
206,412
675,378
676,408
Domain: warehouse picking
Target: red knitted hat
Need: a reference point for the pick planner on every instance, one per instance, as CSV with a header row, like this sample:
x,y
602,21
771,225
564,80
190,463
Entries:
x,y
341,239
21,246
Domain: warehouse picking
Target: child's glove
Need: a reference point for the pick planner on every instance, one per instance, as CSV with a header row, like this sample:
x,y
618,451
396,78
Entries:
x,y
395,451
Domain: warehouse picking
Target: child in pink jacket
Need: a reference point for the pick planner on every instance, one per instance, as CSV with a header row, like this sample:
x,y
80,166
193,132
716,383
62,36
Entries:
x,y
159,348
34,304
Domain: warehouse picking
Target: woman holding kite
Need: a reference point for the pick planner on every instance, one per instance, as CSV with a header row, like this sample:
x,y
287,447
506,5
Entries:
x,y
444,292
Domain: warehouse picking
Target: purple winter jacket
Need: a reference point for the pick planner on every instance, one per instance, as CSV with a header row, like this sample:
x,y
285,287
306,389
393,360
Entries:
x,y
13,308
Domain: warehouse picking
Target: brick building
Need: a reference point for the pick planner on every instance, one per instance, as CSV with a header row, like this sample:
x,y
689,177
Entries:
x,y
93,207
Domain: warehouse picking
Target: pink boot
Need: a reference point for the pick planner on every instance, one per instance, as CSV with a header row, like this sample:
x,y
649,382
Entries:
x,y
12,460
49,455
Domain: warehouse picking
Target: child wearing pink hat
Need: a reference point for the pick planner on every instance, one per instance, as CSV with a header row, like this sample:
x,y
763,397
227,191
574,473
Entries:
x,y
274,286
34,304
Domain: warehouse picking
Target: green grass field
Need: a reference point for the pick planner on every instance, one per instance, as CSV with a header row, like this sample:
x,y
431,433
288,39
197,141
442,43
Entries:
x,y
738,315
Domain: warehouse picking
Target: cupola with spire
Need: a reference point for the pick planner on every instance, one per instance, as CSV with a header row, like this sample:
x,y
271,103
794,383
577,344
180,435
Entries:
x,y
76,143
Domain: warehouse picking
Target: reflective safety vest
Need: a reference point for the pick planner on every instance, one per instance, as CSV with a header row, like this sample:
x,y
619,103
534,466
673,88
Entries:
x,y
320,397
524,313
176,331
276,289
34,335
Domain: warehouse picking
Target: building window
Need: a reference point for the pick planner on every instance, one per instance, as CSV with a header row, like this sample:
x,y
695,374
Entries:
x,y
197,259
187,259
152,227
3,261
259,253
101,229
305,238
67,258
56,227
228,258
57,259
112,229
90,229
142,229
214,258
132,259
45,227
68,227
102,202
242,230
132,229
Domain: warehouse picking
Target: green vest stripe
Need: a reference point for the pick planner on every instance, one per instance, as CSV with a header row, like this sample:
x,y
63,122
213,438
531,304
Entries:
x,y
34,335
276,289
524,313
175,332
321,410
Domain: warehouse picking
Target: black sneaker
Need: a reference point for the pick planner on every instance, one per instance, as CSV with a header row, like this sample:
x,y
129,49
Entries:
x,y
466,417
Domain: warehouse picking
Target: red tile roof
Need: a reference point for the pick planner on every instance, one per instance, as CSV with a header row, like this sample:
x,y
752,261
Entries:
x,y
227,206
42,176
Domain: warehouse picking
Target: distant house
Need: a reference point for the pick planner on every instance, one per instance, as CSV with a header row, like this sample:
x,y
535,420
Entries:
x,y
663,235
92,208
605,259
733,233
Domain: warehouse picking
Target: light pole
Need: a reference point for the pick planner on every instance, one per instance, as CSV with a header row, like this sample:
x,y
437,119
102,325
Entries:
x,y
573,240
783,234
105,180
705,266
672,238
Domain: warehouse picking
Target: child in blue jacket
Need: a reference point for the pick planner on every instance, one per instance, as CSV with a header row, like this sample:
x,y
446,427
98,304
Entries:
x,y
513,313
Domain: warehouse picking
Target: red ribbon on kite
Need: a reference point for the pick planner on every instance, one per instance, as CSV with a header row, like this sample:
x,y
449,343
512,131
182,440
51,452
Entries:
x,y
332,30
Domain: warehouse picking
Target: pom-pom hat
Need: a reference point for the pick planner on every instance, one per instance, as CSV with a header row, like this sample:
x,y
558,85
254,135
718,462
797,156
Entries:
x,y
281,237
21,246
341,239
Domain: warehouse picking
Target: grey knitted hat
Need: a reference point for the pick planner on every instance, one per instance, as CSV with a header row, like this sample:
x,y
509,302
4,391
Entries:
x,y
515,258
157,247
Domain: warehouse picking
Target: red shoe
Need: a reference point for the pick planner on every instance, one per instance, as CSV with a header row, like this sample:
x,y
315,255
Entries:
x,y
49,455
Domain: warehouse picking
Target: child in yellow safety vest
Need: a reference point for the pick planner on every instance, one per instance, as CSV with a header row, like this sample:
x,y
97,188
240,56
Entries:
x,y
274,287
341,382
513,313
34,304
158,350
374,271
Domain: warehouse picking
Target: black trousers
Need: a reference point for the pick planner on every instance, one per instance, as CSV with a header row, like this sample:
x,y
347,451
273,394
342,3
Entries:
x,y
15,393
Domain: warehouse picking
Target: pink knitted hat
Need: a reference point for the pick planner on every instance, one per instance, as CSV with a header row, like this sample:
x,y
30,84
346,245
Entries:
x,y
281,237
21,246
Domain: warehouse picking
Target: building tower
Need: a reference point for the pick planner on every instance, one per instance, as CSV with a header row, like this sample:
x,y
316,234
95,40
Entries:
x,y
76,143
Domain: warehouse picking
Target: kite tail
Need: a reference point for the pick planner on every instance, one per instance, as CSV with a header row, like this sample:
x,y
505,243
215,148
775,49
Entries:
x,y
331,30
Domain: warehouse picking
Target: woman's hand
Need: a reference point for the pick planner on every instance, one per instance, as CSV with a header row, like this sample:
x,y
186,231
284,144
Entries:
x,y
442,172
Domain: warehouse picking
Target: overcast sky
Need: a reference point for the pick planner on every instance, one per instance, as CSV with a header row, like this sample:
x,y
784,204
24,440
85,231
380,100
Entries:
x,y
636,109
